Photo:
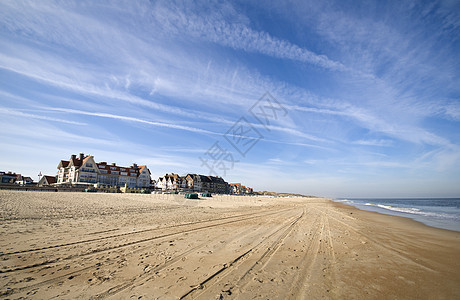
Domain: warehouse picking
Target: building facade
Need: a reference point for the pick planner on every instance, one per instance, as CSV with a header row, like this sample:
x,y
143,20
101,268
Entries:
x,y
238,189
85,170
202,183
8,177
23,180
171,182
192,183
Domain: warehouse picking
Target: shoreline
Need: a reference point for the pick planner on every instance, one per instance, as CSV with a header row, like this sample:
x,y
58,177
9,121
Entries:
x,y
132,245
420,219
406,219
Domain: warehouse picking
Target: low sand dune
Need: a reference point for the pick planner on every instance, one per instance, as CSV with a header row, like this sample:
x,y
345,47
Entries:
x,y
120,246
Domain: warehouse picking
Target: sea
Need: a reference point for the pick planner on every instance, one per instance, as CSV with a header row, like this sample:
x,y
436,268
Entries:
x,y
436,212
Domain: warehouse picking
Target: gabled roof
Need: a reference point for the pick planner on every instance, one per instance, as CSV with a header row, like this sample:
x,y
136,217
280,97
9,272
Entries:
x,y
76,162
86,159
63,164
19,177
50,179
141,168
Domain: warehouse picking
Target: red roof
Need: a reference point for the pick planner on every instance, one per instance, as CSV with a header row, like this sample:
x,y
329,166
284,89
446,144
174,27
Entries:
x,y
50,179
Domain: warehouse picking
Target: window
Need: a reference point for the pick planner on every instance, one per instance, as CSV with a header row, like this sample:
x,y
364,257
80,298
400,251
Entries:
x,y
104,171
113,168
124,173
89,165
115,172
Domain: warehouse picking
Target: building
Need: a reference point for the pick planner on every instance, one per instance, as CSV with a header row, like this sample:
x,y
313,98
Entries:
x,y
85,170
171,182
238,189
202,183
192,182
23,180
7,177
47,180
235,188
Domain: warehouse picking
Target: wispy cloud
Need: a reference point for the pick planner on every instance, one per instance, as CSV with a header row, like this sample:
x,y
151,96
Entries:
x,y
11,112
179,19
384,143
132,119
370,120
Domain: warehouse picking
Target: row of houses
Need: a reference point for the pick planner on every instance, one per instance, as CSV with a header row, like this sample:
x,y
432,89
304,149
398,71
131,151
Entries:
x,y
83,170
238,189
200,183
13,178
193,182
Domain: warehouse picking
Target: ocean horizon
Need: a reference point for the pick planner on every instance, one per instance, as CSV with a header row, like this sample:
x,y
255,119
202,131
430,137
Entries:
x,y
436,212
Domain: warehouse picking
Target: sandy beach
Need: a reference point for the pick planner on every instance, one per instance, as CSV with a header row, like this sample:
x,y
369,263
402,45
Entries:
x,y
132,246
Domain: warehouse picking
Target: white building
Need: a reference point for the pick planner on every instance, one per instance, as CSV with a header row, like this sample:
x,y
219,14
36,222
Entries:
x,y
85,170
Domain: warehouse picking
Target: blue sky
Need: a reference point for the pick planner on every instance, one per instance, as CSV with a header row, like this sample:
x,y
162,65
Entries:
x,y
366,94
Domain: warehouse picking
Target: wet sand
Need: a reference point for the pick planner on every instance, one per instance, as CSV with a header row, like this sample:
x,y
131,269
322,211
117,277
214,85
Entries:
x,y
127,246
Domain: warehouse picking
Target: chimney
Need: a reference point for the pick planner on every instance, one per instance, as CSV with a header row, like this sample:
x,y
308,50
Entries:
x,y
134,166
114,164
73,156
82,155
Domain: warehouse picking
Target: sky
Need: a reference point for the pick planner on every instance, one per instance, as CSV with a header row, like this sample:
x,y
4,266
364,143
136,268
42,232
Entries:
x,y
328,98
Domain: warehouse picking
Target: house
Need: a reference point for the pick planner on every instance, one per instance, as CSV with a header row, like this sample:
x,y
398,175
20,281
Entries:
x,y
85,170
7,177
196,183
47,180
235,188
202,183
192,182
218,185
238,189
23,180
171,182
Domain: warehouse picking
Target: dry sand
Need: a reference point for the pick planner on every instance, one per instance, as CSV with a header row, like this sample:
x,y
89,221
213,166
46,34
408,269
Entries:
x,y
119,246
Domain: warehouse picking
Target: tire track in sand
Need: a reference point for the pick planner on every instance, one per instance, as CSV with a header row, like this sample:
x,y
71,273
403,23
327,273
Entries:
x,y
120,235
201,288
131,243
301,280
139,280
99,264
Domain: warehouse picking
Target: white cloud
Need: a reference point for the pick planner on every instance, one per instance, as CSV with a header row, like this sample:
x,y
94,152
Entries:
x,y
11,112
132,119
179,19
381,142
